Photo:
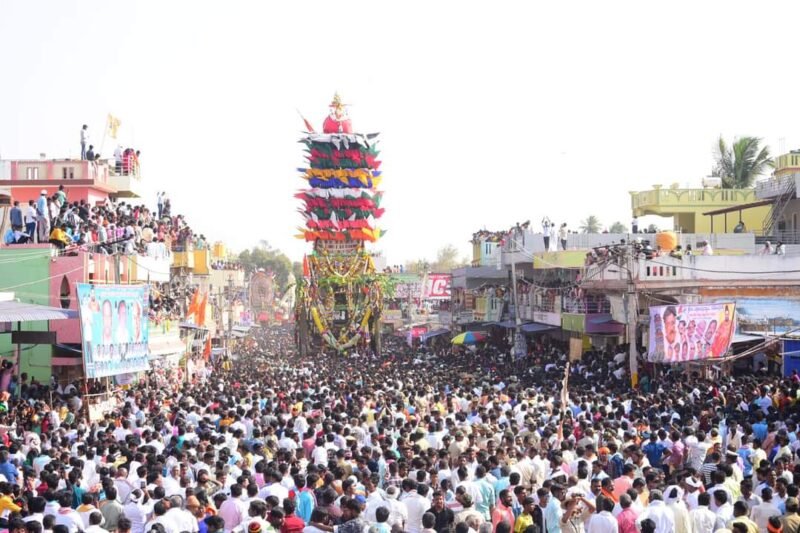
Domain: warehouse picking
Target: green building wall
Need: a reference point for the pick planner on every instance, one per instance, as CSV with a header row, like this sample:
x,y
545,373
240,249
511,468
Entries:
x,y
26,272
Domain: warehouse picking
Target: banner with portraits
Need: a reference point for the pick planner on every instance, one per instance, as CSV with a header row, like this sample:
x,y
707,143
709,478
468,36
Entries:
x,y
682,333
114,328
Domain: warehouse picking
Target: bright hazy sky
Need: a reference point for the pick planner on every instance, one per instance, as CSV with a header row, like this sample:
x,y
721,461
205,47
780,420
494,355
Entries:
x,y
490,112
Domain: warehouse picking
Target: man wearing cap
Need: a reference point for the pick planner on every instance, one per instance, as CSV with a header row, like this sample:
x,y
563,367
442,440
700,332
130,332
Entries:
x,y
531,515
692,492
791,520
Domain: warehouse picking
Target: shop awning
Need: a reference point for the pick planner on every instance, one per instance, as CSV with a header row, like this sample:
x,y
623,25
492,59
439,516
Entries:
x,y
743,337
168,346
605,320
12,311
535,327
434,333
508,324
189,325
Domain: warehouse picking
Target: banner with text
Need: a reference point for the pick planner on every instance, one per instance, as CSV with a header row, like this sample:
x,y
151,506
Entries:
x,y
114,328
681,333
437,287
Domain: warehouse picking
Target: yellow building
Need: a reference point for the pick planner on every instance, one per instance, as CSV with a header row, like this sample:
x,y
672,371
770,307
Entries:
x,y
708,210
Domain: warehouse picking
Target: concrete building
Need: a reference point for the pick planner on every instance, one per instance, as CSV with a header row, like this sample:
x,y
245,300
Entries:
x,y
780,193
92,181
701,210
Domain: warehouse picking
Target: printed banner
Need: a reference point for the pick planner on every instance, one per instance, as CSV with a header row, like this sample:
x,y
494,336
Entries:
x,y
437,287
680,333
114,328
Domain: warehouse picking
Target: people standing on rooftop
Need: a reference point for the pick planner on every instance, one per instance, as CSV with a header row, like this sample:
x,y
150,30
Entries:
x,y
84,140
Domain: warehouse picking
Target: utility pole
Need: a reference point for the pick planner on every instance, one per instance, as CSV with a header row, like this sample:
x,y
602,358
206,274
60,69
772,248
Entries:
x,y
230,311
631,315
517,344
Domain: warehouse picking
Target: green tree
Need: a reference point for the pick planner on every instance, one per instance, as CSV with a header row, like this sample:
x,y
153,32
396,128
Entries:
x,y
446,259
417,266
590,225
269,259
742,162
618,227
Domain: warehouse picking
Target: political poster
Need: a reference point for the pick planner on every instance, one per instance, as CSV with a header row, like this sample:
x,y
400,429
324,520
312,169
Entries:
x,y
114,328
682,333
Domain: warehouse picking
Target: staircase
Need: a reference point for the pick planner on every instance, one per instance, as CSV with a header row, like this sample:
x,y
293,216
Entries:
x,y
788,192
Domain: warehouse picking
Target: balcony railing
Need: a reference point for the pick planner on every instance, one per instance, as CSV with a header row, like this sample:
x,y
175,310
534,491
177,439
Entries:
x,y
690,197
533,243
772,187
754,270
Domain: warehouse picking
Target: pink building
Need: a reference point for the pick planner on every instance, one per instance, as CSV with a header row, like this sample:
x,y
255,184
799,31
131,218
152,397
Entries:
x,y
93,182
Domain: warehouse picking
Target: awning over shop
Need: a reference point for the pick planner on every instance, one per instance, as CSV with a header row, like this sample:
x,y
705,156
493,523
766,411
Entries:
x,y
169,346
742,337
535,327
434,333
605,320
508,324
12,311
189,325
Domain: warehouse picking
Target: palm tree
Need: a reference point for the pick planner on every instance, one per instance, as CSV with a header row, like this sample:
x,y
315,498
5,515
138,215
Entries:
x,y
741,163
618,227
590,225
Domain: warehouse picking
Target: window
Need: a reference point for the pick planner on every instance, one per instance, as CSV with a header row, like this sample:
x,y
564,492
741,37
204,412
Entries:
x,y
68,173
65,293
32,173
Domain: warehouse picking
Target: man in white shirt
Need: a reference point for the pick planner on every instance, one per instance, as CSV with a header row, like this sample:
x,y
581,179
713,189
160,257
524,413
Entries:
x,y
697,449
415,504
183,520
659,513
136,512
273,487
703,519
761,513
398,512
603,521
171,483
724,510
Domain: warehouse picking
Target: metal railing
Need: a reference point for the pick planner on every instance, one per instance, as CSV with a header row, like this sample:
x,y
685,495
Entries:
x,y
129,168
680,197
787,193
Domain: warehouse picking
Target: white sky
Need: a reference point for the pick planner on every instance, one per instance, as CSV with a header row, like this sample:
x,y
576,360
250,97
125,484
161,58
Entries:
x,y
491,112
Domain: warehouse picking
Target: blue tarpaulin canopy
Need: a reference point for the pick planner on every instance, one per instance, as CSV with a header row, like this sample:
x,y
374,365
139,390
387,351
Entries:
x,y
535,327
508,324
434,333
604,320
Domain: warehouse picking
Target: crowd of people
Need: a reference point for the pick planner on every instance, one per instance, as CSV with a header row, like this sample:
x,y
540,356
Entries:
x,y
226,265
466,441
112,227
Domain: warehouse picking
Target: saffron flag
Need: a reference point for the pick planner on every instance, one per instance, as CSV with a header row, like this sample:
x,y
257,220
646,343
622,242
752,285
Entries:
x,y
192,310
201,312
113,126
207,349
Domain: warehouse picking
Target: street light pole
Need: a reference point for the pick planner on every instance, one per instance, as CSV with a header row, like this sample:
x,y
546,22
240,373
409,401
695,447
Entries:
x,y
517,321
